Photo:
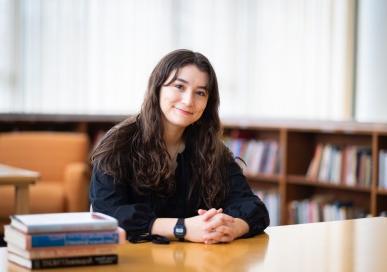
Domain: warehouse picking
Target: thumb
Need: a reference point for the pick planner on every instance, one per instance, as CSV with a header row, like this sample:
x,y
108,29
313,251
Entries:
x,y
201,211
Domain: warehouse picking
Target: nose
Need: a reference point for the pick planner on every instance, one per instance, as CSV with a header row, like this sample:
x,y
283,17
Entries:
x,y
187,98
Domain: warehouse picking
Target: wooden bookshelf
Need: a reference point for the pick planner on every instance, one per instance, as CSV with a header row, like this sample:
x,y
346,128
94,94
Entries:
x,y
302,180
297,141
264,178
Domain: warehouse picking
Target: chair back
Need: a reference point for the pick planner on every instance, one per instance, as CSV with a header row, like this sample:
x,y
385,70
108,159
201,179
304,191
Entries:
x,y
45,152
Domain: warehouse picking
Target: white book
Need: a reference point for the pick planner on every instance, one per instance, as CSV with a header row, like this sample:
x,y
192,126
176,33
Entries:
x,y
248,155
257,158
325,163
59,222
385,171
382,169
350,177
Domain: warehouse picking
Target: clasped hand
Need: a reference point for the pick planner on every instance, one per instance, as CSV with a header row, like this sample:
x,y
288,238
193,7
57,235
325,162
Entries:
x,y
211,226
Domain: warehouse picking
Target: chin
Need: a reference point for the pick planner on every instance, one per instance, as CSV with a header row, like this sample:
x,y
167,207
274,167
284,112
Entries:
x,y
182,123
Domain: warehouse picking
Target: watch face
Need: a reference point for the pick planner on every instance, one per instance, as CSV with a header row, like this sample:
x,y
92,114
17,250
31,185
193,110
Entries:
x,y
180,230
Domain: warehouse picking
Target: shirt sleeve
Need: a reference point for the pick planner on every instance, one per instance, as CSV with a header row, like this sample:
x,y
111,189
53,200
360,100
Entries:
x,y
244,204
114,198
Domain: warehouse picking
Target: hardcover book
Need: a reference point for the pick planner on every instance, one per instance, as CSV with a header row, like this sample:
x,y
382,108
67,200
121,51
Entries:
x,y
56,239
63,222
56,252
63,261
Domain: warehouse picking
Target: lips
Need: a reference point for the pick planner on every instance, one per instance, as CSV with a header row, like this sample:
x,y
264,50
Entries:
x,y
184,111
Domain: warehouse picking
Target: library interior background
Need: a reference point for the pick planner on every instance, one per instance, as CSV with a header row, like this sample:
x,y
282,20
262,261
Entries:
x,y
302,87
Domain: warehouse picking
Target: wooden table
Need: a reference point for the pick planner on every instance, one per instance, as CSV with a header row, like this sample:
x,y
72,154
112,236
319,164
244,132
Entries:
x,y
21,179
352,245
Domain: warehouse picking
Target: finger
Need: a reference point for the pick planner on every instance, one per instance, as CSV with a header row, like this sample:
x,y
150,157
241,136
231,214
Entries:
x,y
225,230
226,239
216,236
219,220
211,242
201,211
222,234
222,239
209,214
226,218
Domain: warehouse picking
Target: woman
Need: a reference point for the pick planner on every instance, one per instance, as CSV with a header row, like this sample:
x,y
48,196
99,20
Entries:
x,y
166,171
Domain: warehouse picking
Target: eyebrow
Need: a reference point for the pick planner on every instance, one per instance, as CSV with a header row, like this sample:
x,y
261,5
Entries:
x,y
186,82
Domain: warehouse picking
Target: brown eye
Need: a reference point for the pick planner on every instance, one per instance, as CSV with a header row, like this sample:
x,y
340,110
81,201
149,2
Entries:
x,y
201,93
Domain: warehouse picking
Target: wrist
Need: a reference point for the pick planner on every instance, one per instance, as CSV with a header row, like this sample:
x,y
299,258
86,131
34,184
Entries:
x,y
164,227
179,229
188,229
241,227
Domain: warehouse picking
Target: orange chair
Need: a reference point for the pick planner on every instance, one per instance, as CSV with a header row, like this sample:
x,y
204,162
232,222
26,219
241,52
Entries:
x,y
61,160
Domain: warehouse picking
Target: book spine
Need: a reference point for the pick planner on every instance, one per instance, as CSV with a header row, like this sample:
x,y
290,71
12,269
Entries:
x,y
67,239
72,251
74,261
71,227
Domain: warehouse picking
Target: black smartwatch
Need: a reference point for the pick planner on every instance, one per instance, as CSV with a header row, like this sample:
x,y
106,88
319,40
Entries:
x,y
179,230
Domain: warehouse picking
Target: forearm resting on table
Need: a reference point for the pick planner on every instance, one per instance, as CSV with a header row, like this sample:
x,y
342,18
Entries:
x,y
164,227
241,227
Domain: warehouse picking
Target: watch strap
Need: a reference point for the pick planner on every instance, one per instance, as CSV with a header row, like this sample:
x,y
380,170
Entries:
x,y
180,230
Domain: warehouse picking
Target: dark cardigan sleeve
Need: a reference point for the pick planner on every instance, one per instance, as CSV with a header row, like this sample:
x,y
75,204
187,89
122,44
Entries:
x,y
242,203
113,198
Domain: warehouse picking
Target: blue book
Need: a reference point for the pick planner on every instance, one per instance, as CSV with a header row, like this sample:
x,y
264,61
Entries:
x,y
28,241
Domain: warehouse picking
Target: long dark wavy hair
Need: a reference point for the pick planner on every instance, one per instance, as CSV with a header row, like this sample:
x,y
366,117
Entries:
x,y
134,151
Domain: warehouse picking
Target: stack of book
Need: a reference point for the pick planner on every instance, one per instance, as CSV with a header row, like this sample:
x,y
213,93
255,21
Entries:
x,y
52,240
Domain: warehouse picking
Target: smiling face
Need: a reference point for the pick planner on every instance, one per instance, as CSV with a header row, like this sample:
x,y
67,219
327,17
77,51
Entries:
x,y
184,100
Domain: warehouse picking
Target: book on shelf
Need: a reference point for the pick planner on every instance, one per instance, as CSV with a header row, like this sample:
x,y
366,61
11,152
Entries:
x,y
63,222
68,251
322,208
256,157
261,157
63,261
348,165
325,163
382,184
55,239
272,165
